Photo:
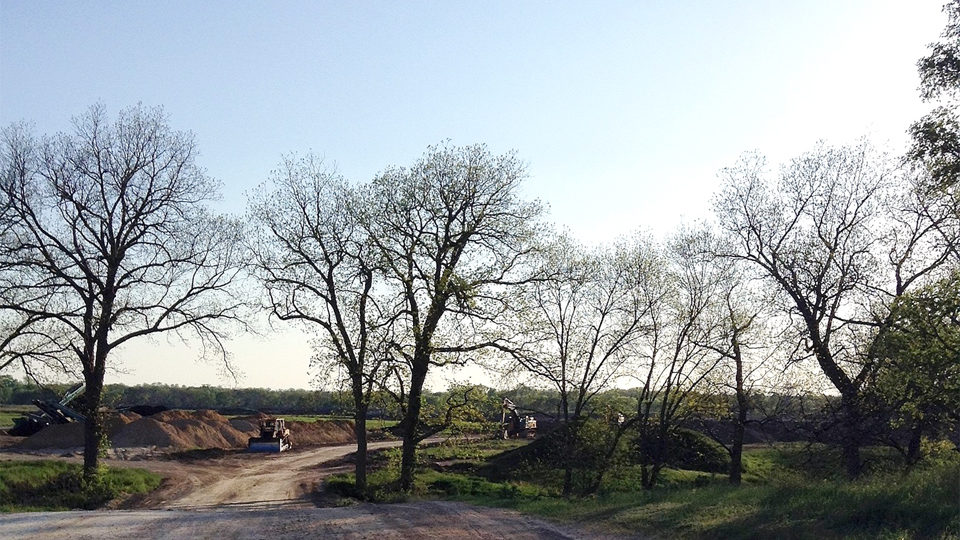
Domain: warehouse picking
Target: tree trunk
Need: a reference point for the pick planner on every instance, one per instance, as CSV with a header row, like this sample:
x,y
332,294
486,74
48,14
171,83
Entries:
x,y
651,465
569,436
360,428
649,476
913,446
736,450
852,437
659,455
607,459
93,427
568,479
408,456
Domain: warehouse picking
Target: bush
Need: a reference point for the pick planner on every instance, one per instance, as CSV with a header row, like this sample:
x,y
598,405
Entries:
x,y
687,449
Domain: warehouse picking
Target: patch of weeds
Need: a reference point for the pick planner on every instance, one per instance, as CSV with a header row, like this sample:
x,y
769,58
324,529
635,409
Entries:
x,y
56,485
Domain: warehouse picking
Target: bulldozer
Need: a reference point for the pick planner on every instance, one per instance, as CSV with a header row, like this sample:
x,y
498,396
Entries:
x,y
514,426
274,437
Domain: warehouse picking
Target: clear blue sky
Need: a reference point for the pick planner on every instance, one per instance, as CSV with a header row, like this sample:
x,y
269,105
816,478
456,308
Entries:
x,y
624,111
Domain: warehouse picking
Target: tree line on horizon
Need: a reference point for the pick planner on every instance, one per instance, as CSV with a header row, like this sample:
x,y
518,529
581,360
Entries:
x,y
834,273
486,407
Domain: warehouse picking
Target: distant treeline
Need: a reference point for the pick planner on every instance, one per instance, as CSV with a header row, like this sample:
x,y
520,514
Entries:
x,y
542,402
14,392
291,401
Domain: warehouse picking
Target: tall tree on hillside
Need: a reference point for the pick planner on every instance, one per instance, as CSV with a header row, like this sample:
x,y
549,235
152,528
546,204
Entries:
x,y
319,267
841,233
452,233
112,241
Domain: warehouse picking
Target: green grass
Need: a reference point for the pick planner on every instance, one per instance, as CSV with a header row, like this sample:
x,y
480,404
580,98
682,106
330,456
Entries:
x,y
790,491
920,505
28,486
9,412
313,417
373,423
477,450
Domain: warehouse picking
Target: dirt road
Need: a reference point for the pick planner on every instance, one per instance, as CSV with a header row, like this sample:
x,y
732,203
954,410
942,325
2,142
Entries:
x,y
270,496
392,521
251,481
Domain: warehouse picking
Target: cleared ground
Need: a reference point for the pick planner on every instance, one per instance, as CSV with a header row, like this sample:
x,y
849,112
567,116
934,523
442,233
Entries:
x,y
243,495
412,520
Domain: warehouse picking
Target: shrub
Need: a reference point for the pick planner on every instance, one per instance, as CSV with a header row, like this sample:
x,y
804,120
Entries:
x,y
687,449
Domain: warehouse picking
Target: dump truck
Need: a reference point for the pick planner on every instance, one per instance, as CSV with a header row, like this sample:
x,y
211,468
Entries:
x,y
274,437
514,426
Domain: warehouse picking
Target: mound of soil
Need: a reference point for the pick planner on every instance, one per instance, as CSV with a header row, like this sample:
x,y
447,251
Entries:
x,y
180,430
55,436
148,432
321,432
71,435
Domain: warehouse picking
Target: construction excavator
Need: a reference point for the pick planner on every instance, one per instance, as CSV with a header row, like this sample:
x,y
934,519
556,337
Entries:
x,y
274,437
514,426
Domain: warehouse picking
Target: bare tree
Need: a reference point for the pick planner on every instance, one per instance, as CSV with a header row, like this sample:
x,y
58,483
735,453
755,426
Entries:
x,y
319,267
452,232
579,322
30,342
840,234
741,329
28,339
742,336
112,241
674,363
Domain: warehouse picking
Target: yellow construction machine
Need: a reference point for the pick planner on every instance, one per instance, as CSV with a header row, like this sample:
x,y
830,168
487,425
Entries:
x,y
514,426
274,437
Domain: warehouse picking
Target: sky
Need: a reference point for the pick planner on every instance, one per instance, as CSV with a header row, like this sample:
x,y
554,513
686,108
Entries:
x,y
622,111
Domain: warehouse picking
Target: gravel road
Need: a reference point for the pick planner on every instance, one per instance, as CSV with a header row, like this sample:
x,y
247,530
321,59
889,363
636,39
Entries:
x,y
270,496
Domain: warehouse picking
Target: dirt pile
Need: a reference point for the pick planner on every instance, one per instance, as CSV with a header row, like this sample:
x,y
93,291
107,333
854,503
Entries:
x,y
321,432
185,430
71,435
182,430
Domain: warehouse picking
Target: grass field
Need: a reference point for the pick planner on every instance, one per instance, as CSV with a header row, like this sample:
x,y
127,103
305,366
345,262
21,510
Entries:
x,y
27,486
373,423
9,412
789,492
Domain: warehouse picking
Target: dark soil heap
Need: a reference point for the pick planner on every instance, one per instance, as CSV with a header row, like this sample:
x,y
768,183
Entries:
x,y
185,430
